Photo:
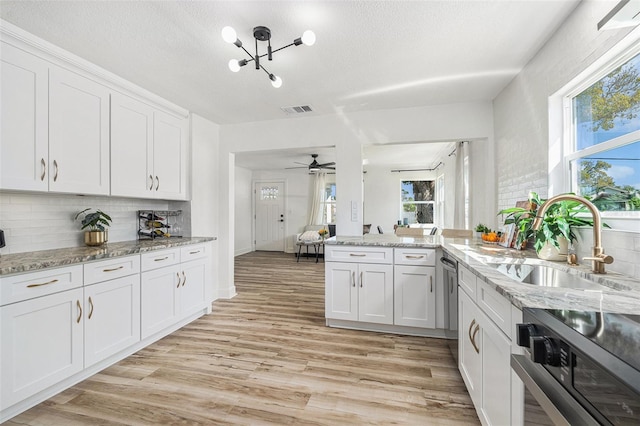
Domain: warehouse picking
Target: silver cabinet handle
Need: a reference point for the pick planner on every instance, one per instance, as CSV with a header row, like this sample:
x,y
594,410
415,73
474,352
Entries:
x,y
178,275
472,338
184,279
113,269
357,255
353,278
41,284
157,183
55,174
44,168
361,279
431,283
160,259
413,256
91,307
151,180
194,252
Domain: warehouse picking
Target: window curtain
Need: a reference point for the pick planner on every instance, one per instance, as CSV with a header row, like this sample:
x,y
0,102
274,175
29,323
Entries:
x,y
317,199
460,205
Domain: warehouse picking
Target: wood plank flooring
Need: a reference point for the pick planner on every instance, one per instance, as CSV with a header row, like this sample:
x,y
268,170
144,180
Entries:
x,y
266,357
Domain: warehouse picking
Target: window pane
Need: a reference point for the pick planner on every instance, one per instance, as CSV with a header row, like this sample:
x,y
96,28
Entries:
x,y
610,107
611,179
418,190
418,212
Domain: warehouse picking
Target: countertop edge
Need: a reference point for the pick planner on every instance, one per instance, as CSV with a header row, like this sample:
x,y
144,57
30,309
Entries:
x,y
18,263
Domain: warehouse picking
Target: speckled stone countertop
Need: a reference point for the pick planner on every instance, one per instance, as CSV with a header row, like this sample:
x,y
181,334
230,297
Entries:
x,y
32,261
621,295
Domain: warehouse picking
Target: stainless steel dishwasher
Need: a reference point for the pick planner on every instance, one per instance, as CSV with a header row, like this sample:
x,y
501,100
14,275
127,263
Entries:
x,y
450,285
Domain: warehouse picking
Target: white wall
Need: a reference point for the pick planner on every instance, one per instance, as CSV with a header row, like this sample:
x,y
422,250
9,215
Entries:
x,y
243,238
382,194
522,123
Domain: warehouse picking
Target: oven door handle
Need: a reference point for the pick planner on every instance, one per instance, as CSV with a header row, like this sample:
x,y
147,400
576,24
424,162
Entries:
x,y
560,406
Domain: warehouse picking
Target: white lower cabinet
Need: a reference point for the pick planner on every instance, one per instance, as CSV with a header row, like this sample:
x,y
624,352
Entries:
x,y
160,303
41,344
112,317
414,296
359,292
193,288
484,362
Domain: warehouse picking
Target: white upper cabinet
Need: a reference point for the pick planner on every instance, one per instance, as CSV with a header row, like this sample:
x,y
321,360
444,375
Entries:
x,y
131,147
148,151
24,152
78,134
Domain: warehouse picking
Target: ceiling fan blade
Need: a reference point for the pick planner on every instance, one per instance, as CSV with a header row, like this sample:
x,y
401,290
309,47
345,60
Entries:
x,y
329,168
297,162
333,163
303,167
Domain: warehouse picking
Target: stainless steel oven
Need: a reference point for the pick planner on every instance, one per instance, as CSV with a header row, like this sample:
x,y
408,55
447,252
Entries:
x,y
579,368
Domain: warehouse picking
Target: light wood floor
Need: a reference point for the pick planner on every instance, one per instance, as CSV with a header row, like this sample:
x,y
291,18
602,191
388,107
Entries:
x,y
266,357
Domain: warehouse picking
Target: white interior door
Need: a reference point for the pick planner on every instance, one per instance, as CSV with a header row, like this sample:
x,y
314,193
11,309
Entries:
x,y
269,215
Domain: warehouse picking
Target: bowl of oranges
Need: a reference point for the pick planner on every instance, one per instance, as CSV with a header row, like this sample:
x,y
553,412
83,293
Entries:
x,y
490,237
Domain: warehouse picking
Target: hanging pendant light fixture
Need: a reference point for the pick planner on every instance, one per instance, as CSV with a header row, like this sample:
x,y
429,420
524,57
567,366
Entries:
x,y
262,34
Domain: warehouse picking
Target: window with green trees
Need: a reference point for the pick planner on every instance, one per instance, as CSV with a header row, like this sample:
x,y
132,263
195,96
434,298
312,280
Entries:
x,y
604,160
418,201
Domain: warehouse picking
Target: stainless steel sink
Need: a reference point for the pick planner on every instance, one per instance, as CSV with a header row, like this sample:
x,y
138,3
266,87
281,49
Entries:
x,y
545,276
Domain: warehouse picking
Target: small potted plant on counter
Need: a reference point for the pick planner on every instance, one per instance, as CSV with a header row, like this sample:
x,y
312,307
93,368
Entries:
x,y
481,229
95,224
551,240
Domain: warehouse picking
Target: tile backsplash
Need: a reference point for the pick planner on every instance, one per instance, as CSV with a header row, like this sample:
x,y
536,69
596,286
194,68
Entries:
x,y
34,222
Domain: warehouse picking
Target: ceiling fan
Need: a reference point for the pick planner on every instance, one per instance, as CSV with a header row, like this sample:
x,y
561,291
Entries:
x,y
315,167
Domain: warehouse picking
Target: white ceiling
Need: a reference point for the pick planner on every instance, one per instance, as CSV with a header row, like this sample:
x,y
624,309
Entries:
x,y
369,54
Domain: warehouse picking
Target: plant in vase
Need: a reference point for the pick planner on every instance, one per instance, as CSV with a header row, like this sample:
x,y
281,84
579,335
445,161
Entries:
x,y
556,230
481,229
96,222
323,233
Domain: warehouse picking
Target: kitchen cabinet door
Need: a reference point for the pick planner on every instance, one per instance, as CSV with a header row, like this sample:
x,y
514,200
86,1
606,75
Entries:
x,y
131,148
375,293
170,136
341,291
78,134
414,296
24,133
195,275
112,317
469,344
495,352
41,343
159,299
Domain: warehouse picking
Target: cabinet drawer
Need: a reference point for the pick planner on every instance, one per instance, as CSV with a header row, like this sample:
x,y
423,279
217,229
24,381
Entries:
x,y
159,259
418,257
467,280
495,305
15,288
358,254
195,251
104,270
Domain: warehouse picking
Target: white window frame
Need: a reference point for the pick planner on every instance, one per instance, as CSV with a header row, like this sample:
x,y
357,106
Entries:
x,y
561,137
327,203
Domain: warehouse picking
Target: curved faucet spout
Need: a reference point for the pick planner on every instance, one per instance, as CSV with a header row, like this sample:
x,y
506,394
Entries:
x,y
598,258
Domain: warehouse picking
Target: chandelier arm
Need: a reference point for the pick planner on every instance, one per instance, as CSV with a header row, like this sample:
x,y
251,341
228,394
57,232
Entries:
x,y
283,47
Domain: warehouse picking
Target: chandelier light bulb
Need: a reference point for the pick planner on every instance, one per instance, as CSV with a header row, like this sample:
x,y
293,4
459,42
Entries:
x,y
234,65
308,38
229,35
277,82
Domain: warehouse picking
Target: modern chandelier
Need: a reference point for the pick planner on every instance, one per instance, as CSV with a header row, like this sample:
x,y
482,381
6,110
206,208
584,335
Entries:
x,y
262,34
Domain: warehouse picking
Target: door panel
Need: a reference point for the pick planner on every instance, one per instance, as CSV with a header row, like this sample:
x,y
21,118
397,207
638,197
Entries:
x,y
269,202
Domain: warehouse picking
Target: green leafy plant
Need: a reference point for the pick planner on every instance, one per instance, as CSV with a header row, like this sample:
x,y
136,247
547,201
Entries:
x,y
482,228
559,221
96,221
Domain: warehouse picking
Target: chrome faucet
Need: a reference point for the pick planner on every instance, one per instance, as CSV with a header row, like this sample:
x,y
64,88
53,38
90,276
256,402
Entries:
x,y
597,258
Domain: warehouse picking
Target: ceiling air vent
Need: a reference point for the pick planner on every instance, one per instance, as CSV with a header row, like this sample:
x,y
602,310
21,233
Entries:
x,y
297,109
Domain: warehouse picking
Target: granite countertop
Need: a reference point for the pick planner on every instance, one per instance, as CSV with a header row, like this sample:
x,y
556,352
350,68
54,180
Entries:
x,y
622,294
32,261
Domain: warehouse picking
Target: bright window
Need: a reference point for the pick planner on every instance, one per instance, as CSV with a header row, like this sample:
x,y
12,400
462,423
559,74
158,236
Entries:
x,y
418,201
603,156
329,209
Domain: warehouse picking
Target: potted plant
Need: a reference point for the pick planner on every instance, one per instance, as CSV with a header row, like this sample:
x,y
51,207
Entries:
x,y
556,231
481,229
96,222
